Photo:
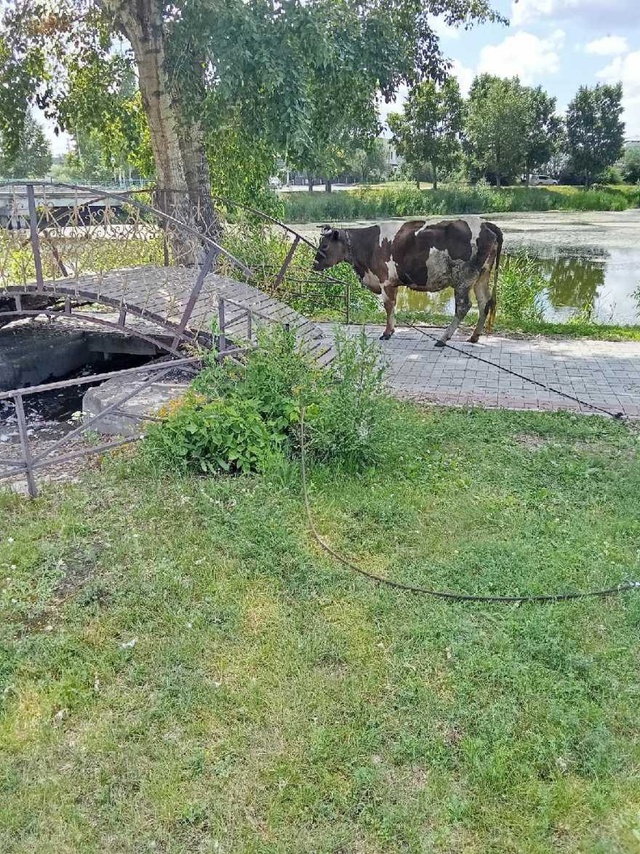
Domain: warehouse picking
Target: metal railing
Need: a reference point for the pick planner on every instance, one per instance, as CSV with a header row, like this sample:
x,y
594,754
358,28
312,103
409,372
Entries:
x,y
94,232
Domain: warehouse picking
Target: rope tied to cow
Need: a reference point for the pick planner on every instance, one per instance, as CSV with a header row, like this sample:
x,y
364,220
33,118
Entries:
x,y
448,595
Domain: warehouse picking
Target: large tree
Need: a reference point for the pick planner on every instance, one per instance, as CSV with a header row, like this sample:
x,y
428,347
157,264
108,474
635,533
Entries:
x,y
595,132
496,126
428,131
543,129
288,72
31,158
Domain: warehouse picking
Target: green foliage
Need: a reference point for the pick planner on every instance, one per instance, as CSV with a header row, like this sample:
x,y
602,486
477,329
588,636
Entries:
x,y
631,164
243,417
301,78
496,126
32,158
405,201
428,132
544,129
595,132
210,436
520,285
353,419
510,128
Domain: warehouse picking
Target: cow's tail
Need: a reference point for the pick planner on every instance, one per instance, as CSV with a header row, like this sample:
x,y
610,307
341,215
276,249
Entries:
x,y
492,305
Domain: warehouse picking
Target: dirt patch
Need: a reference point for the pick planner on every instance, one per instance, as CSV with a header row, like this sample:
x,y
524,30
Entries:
x,y
531,441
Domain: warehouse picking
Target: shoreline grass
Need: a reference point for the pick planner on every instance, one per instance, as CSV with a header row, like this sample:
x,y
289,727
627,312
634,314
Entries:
x,y
181,669
403,201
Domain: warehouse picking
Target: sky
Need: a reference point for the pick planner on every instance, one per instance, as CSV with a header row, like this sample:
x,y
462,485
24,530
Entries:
x,y
557,44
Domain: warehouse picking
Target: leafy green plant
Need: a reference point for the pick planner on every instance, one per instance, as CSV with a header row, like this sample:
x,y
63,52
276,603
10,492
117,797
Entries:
x,y
350,428
209,436
245,417
520,287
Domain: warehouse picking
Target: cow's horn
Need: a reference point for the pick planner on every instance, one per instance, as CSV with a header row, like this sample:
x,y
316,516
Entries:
x,y
325,229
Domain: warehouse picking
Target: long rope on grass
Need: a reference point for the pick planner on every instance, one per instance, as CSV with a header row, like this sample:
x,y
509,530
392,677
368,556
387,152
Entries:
x,y
450,595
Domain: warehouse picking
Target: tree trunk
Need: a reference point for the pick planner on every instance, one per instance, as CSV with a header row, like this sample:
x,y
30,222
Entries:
x,y
435,176
141,24
498,185
327,186
310,179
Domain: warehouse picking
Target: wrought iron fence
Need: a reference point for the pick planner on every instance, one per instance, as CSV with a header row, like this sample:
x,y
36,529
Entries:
x,y
65,246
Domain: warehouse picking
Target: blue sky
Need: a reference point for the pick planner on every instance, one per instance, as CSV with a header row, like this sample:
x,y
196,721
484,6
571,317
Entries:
x,y
559,44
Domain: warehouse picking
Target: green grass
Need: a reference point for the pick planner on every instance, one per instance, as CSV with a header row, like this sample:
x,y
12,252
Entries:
x,y
181,670
403,201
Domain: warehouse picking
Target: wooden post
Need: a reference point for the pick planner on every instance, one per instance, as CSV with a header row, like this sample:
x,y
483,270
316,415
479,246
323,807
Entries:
x,y
347,303
24,442
222,340
35,238
286,263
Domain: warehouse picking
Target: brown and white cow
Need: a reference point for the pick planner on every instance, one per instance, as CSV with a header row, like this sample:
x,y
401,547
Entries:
x,y
458,253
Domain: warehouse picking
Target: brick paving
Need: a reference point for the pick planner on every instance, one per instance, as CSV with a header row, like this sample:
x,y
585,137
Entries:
x,y
603,373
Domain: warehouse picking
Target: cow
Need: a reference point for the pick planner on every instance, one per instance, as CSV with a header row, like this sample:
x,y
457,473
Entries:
x,y
458,253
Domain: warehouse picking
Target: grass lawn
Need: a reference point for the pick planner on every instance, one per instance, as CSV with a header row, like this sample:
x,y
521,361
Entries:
x,y
182,671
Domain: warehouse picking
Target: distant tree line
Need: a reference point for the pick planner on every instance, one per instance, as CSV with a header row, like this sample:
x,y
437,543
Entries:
x,y
505,130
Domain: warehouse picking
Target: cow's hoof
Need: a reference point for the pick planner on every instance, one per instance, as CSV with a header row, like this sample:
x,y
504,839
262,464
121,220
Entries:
x,y
474,339
386,336
439,344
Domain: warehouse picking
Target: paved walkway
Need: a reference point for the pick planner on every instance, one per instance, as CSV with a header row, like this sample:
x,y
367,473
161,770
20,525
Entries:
x,y
603,373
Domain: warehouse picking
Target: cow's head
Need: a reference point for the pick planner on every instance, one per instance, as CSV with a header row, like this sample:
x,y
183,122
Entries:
x,y
333,248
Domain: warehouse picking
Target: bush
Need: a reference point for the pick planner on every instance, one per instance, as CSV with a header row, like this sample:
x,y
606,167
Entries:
x,y
245,417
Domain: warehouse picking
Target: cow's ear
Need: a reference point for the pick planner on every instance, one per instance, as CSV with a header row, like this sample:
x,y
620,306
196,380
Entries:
x,y
335,234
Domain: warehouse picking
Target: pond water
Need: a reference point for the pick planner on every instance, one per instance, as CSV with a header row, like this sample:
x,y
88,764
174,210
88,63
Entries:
x,y
588,259
577,280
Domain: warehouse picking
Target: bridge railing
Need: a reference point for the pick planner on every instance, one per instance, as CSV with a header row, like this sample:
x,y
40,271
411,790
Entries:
x,y
53,232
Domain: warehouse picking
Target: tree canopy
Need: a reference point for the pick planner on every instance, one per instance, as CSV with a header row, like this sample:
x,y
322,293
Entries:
x,y
429,129
32,156
301,76
595,132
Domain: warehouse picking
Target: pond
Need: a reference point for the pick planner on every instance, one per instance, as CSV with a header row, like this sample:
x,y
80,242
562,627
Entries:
x,y
577,280
589,259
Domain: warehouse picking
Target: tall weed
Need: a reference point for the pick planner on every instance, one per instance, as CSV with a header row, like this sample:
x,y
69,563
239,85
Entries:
x,y
350,429
520,288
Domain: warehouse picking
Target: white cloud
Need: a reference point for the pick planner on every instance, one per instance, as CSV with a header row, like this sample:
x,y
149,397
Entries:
x,y
444,30
464,74
590,12
626,70
524,55
608,46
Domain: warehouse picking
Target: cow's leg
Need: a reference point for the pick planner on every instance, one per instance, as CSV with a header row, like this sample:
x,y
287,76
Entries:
x,y
463,304
389,298
483,298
